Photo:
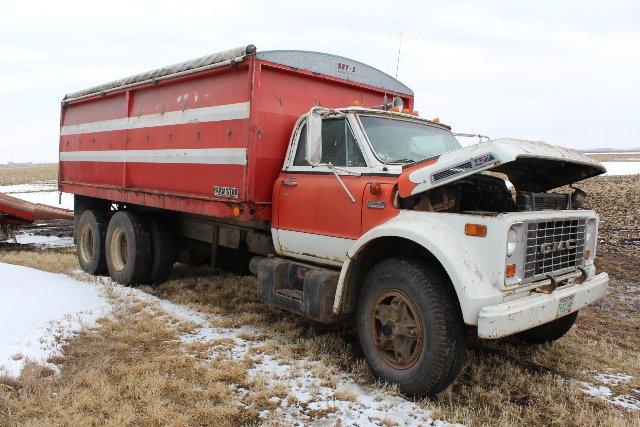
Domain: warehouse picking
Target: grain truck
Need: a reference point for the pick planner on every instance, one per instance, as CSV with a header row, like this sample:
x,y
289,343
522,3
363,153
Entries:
x,y
314,172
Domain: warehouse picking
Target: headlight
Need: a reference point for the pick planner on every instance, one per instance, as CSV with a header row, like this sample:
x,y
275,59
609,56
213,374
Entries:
x,y
512,241
590,234
590,240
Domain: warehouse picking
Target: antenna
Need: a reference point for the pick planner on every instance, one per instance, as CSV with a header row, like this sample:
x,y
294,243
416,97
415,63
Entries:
x,y
398,60
393,28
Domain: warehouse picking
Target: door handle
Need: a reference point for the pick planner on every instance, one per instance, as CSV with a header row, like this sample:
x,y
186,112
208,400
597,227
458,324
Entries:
x,y
290,182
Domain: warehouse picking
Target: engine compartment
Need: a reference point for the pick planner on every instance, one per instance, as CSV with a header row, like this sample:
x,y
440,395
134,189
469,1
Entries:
x,y
489,193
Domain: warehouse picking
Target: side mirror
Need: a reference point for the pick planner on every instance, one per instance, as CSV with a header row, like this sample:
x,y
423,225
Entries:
x,y
313,144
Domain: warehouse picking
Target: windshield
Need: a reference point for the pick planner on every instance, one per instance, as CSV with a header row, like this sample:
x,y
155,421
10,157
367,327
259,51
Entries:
x,y
402,141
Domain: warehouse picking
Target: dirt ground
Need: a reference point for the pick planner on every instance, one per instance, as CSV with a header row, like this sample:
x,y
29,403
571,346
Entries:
x,y
103,377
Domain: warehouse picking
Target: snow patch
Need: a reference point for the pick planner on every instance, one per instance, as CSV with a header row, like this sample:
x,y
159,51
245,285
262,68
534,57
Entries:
x,y
44,241
29,188
39,192
613,379
50,198
371,406
368,407
38,310
622,168
626,401
611,153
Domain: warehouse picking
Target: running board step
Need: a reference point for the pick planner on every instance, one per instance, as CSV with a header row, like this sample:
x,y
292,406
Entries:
x,y
300,288
290,293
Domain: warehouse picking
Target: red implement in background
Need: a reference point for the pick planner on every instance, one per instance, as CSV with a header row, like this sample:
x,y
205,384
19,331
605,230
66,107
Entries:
x,y
16,212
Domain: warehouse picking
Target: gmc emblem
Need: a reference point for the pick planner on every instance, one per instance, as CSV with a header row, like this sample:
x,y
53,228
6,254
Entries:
x,y
547,248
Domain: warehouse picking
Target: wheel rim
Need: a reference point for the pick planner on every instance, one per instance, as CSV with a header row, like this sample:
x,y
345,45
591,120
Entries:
x,y
86,243
396,327
119,249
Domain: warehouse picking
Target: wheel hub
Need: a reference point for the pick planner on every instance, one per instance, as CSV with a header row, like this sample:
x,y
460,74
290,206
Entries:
x,y
387,329
119,249
397,330
86,243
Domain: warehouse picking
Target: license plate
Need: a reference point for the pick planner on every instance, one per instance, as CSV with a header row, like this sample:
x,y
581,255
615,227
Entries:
x,y
565,304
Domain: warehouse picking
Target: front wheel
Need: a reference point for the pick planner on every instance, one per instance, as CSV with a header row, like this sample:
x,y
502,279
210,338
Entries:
x,y
410,326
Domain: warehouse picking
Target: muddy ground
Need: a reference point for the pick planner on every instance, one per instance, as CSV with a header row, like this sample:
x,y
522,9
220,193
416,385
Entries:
x,y
54,228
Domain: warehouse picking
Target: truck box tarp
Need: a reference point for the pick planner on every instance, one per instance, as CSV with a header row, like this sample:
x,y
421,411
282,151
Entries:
x,y
193,64
315,62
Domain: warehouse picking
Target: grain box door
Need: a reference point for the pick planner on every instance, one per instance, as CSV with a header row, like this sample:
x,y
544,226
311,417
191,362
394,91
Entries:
x,y
92,141
189,136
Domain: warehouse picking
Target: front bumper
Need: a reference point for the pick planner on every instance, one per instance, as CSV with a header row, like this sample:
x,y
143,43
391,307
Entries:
x,y
500,320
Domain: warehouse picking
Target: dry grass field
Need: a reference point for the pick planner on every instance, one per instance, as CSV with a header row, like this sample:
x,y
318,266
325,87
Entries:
x,y
10,175
135,367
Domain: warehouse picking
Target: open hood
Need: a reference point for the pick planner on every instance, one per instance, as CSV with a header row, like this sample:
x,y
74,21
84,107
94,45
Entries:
x,y
530,166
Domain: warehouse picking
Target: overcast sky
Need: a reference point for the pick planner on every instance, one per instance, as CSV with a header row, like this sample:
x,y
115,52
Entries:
x,y
566,72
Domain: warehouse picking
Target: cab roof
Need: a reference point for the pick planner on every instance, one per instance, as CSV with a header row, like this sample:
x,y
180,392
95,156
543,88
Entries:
x,y
390,114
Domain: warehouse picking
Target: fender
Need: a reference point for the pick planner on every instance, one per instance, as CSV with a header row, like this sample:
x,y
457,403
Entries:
x,y
461,263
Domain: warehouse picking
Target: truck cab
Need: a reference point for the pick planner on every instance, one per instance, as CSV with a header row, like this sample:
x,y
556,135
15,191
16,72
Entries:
x,y
362,188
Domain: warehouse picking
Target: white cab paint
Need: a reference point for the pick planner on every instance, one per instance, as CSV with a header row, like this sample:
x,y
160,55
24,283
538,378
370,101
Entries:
x,y
499,151
475,265
318,248
515,316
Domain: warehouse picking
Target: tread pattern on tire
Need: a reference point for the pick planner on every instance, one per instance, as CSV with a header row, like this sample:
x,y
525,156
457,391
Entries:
x,y
163,249
139,254
99,222
445,350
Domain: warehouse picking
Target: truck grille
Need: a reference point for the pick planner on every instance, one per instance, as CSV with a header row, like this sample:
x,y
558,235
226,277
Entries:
x,y
542,201
553,247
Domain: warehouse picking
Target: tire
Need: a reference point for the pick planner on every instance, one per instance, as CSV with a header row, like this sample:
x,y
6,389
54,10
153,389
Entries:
x,y
425,366
549,332
81,204
128,249
163,249
90,235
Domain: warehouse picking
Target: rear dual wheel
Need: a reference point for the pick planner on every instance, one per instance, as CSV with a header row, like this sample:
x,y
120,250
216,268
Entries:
x,y
163,249
133,248
90,233
139,248
128,249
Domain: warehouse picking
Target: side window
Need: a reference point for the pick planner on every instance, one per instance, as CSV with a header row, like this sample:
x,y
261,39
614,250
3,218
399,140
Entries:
x,y
339,146
299,159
